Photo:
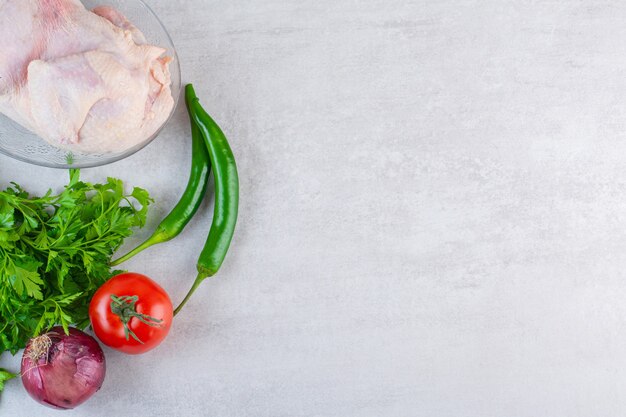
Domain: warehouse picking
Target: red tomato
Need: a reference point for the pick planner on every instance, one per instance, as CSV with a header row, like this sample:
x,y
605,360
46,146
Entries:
x,y
131,313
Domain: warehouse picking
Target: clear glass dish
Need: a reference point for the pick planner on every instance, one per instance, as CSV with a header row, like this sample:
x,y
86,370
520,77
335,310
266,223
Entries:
x,y
19,143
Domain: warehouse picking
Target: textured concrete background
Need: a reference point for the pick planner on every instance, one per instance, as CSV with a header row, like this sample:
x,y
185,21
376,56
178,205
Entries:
x,y
433,215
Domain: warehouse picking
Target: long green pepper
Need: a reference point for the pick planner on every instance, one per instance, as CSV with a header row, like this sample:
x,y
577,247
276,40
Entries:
x,y
209,148
174,223
226,193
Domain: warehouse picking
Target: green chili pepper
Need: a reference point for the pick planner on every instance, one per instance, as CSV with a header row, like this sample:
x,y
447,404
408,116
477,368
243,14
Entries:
x,y
226,194
181,214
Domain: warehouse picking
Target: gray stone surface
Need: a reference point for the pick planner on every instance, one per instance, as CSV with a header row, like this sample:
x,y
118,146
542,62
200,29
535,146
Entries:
x,y
433,214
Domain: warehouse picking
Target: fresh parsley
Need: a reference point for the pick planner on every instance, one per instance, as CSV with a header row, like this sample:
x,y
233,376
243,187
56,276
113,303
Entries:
x,y
5,376
55,252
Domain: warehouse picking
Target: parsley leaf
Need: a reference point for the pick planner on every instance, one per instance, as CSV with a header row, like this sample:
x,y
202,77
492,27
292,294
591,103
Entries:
x,y
4,377
55,252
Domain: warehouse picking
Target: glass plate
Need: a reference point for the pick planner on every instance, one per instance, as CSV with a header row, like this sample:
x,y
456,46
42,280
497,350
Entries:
x,y
19,143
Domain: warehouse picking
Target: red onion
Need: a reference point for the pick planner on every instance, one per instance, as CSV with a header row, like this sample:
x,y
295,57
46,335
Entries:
x,y
63,371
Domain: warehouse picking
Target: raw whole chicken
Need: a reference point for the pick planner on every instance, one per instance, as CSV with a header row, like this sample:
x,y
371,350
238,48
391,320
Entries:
x,y
82,80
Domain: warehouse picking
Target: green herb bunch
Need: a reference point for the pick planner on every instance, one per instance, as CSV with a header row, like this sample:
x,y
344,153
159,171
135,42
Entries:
x,y
55,253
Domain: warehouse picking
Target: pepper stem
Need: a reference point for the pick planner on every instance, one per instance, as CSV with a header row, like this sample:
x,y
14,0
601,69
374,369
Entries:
x,y
201,277
152,240
125,308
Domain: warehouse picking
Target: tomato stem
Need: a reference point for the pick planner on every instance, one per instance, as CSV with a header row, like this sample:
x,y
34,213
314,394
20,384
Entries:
x,y
125,308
